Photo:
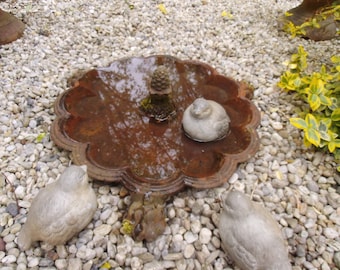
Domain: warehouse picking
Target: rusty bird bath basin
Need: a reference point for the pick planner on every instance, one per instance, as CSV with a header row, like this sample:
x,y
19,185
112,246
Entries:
x,y
101,121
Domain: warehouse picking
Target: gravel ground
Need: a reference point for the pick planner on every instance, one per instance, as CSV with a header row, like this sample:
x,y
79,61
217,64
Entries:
x,y
299,186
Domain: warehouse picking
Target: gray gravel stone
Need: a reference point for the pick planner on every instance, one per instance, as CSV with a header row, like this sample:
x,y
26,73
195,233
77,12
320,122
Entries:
x,y
300,251
12,209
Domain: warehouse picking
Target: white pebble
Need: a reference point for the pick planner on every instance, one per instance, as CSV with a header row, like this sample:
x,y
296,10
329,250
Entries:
x,y
173,256
20,192
330,233
171,213
195,226
21,266
32,262
61,263
138,250
75,264
9,259
277,125
250,168
190,237
179,202
61,251
136,263
189,251
113,218
105,215
120,258
102,230
205,236
233,178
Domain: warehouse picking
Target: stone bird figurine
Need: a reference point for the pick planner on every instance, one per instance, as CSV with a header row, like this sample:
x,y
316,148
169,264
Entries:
x,y
60,210
205,120
250,235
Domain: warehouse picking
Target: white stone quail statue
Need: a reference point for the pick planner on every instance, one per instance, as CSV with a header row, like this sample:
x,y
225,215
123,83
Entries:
x,y
60,210
205,120
250,235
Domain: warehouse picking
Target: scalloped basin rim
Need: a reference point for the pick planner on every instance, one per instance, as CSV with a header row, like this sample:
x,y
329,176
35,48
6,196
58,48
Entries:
x,y
123,145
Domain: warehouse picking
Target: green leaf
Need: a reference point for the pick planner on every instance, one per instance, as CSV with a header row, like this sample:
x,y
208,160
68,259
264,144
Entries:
x,y
290,28
334,104
313,136
306,142
324,136
336,115
316,86
337,154
311,121
298,123
333,145
315,23
325,100
324,75
288,14
335,59
306,80
324,124
302,52
289,81
302,58
297,82
314,101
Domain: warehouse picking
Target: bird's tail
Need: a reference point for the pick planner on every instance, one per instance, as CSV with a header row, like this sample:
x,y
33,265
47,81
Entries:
x,y
24,238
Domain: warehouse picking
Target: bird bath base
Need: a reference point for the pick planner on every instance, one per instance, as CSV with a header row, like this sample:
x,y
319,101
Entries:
x,y
100,120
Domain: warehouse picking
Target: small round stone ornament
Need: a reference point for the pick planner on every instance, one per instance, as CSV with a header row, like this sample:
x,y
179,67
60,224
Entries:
x,y
205,120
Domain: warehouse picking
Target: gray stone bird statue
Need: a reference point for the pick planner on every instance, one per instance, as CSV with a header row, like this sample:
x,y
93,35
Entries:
x,y
60,210
250,235
205,120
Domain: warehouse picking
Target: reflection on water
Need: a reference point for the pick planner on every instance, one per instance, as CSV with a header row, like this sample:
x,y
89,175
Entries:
x,y
105,113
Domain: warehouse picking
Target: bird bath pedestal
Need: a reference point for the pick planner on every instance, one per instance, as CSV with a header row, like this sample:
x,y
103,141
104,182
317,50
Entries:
x,y
103,121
